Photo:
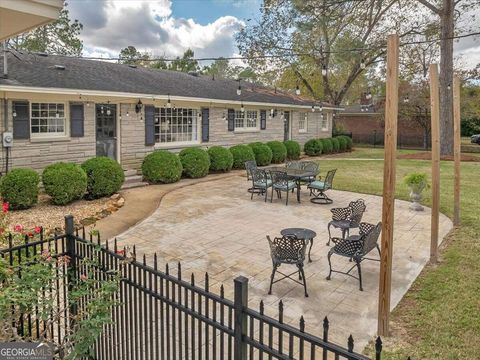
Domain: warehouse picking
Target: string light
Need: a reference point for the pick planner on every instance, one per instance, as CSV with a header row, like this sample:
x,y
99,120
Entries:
x,y
242,108
297,90
324,70
169,103
406,99
313,108
362,64
239,89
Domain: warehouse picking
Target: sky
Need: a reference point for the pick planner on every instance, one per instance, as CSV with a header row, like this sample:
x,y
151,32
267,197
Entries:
x,y
169,27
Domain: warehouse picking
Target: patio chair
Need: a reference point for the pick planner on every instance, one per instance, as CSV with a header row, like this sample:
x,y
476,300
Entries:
x,y
312,166
260,183
291,251
281,182
347,218
293,165
356,248
318,188
249,166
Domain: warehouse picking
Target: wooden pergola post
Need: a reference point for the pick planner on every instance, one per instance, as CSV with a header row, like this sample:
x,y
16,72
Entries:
x,y
456,150
435,111
388,206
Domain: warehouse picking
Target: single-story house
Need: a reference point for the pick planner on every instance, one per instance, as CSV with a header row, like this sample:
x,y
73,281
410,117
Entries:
x,y
59,108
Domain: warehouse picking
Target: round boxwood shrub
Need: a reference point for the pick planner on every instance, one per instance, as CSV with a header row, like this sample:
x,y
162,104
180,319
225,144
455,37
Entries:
x,y
279,151
335,144
241,153
195,162
220,158
348,141
162,166
263,154
64,182
104,177
293,149
20,188
313,147
342,142
327,146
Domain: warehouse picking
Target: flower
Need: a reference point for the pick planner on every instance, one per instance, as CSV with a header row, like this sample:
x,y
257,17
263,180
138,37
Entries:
x,y
120,252
38,229
30,234
18,228
5,207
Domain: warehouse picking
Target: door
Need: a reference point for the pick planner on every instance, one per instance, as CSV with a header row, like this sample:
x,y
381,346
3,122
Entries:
x,y
106,125
286,126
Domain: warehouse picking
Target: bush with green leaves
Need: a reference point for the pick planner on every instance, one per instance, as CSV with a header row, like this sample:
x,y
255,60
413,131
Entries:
x,y
293,149
279,151
220,158
104,177
19,188
162,166
195,162
263,154
342,142
335,144
327,146
313,147
349,142
470,126
64,182
241,154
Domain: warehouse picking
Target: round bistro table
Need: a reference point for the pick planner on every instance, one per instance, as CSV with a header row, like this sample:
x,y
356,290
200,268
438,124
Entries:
x,y
303,234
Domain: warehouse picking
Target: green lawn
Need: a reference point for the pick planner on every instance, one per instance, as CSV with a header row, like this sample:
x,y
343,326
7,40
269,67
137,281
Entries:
x,y
439,318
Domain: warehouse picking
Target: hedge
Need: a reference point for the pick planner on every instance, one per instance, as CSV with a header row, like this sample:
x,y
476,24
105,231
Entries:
x,y
263,154
64,182
241,154
335,144
162,166
104,177
342,142
293,149
470,126
220,158
313,147
327,146
19,188
195,162
279,151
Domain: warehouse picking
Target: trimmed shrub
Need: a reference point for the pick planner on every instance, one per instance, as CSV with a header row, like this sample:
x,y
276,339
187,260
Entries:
x,y
342,142
64,182
293,149
241,153
313,147
162,166
263,154
279,151
220,158
335,144
104,177
195,162
349,142
20,188
470,126
327,146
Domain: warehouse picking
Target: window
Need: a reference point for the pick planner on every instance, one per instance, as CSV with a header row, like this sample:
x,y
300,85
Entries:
x,y
324,121
246,120
302,122
175,125
48,119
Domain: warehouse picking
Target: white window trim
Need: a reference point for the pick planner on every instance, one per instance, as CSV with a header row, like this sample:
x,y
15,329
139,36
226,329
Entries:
x,y
305,127
178,144
327,118
245,129
65,135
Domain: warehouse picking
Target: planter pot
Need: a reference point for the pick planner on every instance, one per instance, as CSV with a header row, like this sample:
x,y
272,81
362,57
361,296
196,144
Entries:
x,y
416,196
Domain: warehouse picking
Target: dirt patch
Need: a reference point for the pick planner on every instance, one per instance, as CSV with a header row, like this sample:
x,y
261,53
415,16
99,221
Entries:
x,y
428,156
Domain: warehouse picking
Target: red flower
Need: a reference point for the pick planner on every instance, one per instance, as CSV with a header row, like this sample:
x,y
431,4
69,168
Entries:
x,y
30,234
121,252
38,229
5,207
18,228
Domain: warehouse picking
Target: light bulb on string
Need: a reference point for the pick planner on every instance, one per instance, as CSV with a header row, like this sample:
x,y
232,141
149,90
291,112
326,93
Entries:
x,y
297,90
362,64
324,70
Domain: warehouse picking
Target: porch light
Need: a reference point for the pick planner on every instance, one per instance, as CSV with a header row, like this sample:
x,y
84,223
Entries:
x,y
324,70
138,106
313,108
362,64
239,89
242,108
273,113
14,114
224,117
199,114
169,103
297,90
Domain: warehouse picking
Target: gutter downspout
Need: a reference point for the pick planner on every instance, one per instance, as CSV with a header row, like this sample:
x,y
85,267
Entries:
x,y
5,62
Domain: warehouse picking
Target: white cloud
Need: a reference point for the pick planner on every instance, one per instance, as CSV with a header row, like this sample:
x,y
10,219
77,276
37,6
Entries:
x,y
150,26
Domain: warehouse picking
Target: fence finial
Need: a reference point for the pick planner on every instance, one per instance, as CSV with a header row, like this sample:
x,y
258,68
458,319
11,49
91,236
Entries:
x,y
222,291
179,271
378,348
302,324
280,311
206,281
262,307
166,269
350,343
192,279
144,259
155,261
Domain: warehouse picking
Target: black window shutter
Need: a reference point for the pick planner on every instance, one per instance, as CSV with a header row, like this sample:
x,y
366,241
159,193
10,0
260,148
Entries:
x,y
263,119
21,122
149,125
231,120
77,119
205,124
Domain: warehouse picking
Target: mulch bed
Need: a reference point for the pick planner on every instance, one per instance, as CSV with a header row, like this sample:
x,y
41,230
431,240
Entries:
x,y
428,156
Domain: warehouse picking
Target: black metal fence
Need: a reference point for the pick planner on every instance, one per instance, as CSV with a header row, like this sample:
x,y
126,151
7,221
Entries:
x,y
376,139
161,316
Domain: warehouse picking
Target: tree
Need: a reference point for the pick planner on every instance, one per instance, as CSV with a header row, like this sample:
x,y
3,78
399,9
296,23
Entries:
x,y
186,63
59,37
220,69
131,56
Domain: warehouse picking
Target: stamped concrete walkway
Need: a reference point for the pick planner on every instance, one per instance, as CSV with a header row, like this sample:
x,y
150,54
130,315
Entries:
x,y
214,227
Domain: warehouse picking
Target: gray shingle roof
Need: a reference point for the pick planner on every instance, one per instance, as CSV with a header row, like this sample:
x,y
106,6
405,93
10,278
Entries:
x,y
33,70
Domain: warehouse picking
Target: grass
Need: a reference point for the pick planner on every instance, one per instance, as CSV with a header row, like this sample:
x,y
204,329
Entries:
x,y
439,317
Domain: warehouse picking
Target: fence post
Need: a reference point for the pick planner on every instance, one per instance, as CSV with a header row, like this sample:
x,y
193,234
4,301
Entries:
x,y
72,265
374,139
240,324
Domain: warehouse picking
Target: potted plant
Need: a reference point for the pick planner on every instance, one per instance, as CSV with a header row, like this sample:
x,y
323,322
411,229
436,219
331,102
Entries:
x,y
416,182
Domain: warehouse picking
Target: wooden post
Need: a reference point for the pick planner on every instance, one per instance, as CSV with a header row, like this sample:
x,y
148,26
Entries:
x,y
434,103
456,150
388,207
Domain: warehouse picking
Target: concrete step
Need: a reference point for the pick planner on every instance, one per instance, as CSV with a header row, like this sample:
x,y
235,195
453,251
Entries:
x,y
129,172
133,178
131,185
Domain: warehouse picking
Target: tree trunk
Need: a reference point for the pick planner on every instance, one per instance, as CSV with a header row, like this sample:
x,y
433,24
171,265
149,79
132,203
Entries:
x,y
446,77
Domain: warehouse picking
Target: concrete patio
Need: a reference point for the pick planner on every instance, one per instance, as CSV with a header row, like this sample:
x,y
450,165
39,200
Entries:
x,y
214,227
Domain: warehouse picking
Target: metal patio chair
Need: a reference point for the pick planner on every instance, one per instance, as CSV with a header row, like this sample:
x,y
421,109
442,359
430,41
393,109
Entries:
x,y
293,165
318,188
281,182
260,183
347,218
249,167
356,248
312,166
291,251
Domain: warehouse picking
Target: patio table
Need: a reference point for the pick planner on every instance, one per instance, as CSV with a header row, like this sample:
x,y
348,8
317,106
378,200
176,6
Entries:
x,y
303,234
294,174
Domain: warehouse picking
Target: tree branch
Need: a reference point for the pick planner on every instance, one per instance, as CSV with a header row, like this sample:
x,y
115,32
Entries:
x,y
430,6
